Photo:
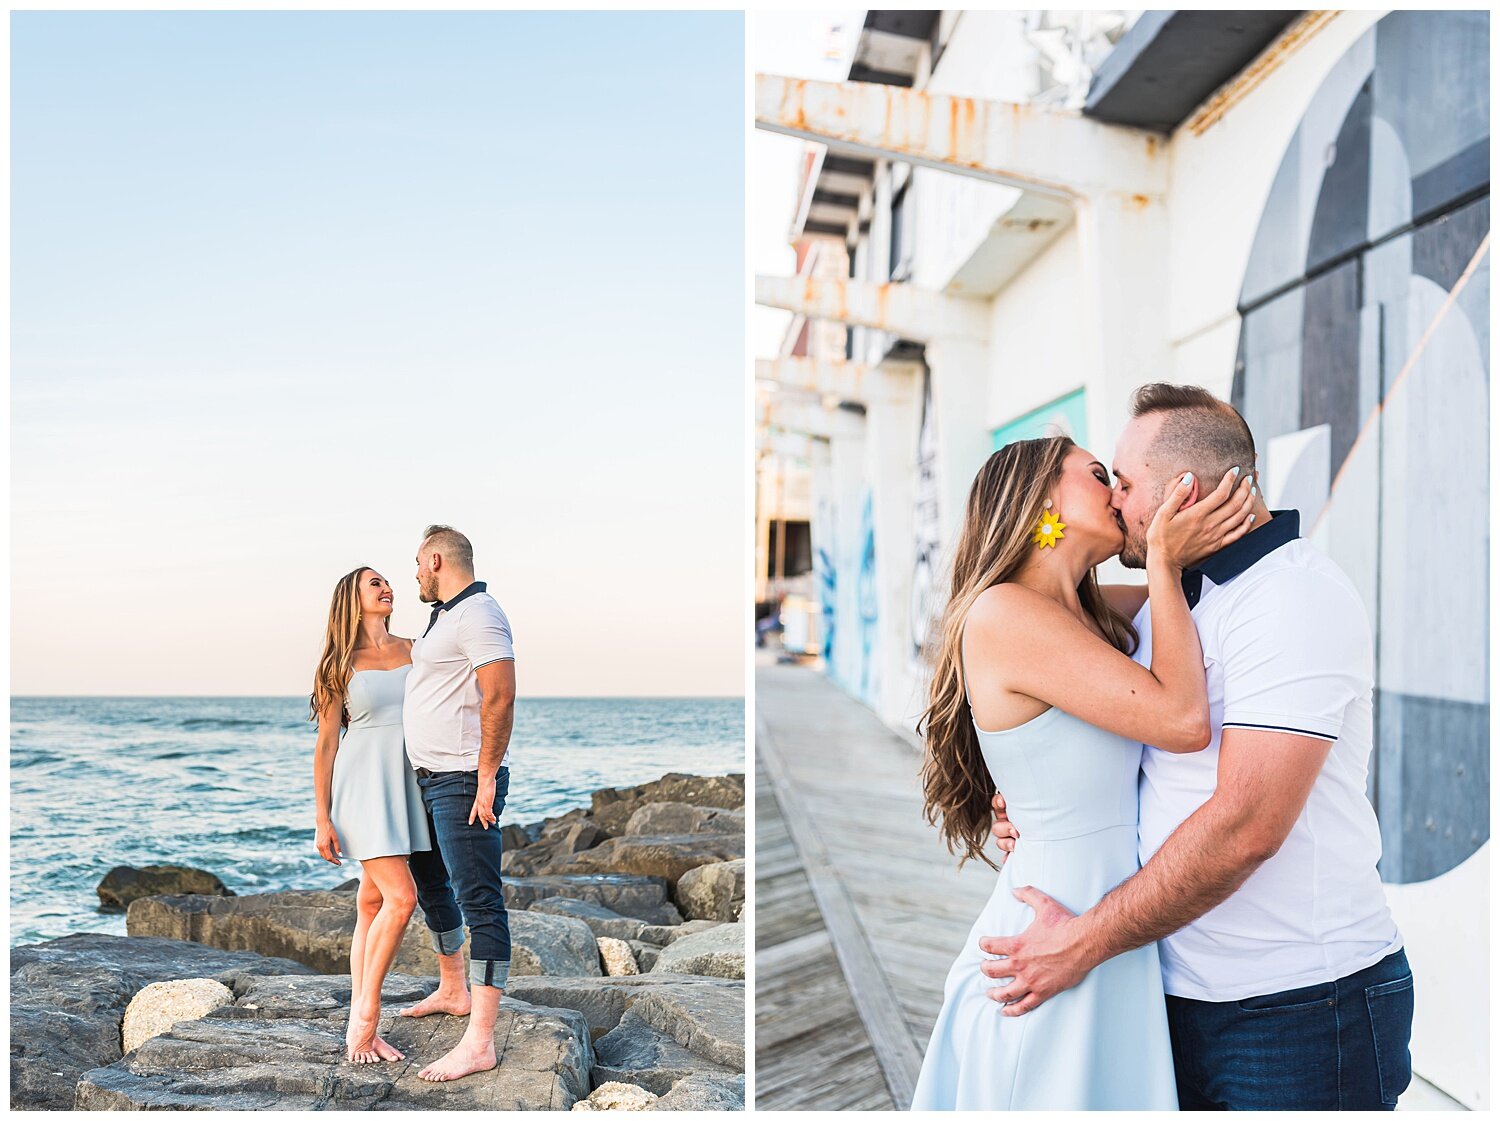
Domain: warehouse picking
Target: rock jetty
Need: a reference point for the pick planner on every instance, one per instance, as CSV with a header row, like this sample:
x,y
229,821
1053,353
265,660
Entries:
x,y
249,994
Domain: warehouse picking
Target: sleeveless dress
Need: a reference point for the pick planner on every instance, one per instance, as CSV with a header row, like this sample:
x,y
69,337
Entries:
x,y
377,805
1071,790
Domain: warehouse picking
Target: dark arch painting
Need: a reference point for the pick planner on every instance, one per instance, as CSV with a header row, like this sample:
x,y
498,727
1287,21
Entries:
x,y
1363,369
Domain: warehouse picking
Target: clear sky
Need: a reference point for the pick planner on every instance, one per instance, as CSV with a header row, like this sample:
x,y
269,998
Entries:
x,y
287,287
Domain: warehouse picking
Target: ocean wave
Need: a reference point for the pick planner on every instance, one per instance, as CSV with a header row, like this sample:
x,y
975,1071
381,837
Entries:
x,y
226,723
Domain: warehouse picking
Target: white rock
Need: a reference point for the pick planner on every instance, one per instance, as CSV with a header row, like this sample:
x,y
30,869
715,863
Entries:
x,y
616,1095
619,958
157,1007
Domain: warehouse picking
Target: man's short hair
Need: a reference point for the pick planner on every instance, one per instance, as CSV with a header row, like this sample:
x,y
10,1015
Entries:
x,y
453,546
1198,430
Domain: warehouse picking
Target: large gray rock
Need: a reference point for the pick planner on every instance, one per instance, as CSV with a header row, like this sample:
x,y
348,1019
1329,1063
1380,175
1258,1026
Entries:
x,y
640,897
552,946
222,1062
719,952
707,1020
68,999
668,857
637,1053
602,921
645,955
314,997
317,927
666,935
123,885
703,1092
713,891
603,1000
313,927
612,809
665,818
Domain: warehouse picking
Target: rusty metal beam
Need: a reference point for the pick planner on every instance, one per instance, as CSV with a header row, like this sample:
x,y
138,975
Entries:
x,y
901,309
1050,151
818,377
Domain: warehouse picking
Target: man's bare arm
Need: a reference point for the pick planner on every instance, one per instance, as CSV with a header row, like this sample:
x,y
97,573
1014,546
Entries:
x,y
497,693
1264,779
1263,783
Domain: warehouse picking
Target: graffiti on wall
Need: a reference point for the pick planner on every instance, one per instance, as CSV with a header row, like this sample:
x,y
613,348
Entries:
x,y
926,530
866,681
1363,365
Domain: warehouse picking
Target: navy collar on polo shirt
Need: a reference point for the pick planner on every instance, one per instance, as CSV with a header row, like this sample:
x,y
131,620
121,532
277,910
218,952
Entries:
x,y
443,605
1234,559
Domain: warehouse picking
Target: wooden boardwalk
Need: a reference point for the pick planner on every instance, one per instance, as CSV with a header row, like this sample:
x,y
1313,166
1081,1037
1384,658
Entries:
x,y
859,908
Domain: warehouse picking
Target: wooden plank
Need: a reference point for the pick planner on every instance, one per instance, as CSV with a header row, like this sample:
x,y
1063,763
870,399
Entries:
x,y
811,1050
884,1019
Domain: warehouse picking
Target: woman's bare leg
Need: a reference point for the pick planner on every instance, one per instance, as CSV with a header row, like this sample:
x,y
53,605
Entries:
x,y
367,906
398,895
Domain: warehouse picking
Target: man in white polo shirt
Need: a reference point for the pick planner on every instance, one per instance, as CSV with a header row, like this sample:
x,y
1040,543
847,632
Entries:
x,y
460,701
1287,986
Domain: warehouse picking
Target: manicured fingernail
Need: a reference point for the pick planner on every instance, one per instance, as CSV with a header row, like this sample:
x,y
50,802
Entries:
x,y
1253,491
1187,479
1252,519
1236,471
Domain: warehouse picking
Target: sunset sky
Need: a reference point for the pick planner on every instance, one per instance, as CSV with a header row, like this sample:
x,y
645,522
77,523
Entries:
x,y
289,286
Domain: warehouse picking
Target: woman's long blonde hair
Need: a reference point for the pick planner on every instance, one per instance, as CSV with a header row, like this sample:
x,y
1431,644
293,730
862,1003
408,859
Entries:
x,y
335,667
1005,504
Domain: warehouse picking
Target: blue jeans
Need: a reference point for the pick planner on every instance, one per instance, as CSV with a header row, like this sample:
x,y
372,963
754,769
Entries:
x,y
1340,1045
458,879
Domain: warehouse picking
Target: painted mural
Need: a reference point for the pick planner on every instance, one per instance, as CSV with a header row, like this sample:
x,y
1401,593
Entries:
x,y
927,531
1363,369
1067,416
866,678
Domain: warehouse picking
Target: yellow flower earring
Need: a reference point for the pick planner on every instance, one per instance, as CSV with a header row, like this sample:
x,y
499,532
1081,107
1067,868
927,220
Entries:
x,y
1049,530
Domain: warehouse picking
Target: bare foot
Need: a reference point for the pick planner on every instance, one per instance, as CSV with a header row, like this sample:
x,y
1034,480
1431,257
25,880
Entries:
x,y
454,1004
386,1051
359,1041
465,1059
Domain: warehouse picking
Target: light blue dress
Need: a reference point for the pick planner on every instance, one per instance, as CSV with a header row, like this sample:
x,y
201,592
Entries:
x,y
377,805
1071,790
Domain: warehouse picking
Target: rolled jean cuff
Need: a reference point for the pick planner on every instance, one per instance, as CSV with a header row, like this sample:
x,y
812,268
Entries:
x,y
491,973
448,942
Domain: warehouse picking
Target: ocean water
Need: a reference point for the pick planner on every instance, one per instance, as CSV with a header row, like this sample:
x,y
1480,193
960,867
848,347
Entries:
x,y
225,784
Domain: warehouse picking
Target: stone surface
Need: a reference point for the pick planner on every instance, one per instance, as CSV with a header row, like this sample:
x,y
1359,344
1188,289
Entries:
x,y
719,952
713,891
123,885
616,1096
704,1092
637,1053
222,1062
666,935
316,996
665,818
618,958
161,1004
645,955
709,1021
68,998
313,927
603,1000
602,921
668,857
641,897
551,945
612,809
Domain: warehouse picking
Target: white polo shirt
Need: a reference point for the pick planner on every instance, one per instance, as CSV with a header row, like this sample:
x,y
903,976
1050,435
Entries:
x,y
1287,648
441,714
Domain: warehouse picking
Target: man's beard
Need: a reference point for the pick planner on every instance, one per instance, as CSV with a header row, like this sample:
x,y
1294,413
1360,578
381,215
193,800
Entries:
x,y
427,593
1133,551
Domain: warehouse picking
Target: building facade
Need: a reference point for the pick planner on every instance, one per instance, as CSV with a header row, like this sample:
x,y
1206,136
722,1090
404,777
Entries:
x,y
1038,213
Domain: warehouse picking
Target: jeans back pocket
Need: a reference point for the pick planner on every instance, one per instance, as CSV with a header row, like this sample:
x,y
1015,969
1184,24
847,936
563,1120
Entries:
x,y
1391,1004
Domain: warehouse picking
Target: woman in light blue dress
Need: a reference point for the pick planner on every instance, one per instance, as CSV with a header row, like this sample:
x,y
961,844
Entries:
x,y
1034,692
368,802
